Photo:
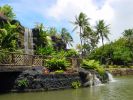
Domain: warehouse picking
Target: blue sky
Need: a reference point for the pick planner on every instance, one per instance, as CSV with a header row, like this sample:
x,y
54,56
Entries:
x,y
59,13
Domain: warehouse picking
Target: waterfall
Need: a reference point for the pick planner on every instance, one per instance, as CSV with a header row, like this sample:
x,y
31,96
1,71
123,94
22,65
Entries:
x,y
96,80
111,79
91,79
28,41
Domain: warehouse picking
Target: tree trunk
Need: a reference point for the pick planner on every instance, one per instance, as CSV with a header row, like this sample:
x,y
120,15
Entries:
x,y
102,48
81,42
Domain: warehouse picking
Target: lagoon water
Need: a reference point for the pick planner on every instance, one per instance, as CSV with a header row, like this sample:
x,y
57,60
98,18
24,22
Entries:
x,y
121,89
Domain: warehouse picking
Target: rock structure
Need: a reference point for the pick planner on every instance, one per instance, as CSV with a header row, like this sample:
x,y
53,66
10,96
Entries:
x,y
35,79
39,79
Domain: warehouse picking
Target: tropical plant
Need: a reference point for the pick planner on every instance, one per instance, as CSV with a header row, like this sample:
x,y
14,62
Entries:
x,y
95,65
7,11
117,52
89,38
128,35
71,53
59,71
41,35
9,36
3,55
81,22
66,37
54,64
102,30
23,83
76,84
52,31
79,48
47,50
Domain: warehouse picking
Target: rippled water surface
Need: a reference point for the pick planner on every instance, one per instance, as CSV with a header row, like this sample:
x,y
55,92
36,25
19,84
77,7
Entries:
x,y
121,89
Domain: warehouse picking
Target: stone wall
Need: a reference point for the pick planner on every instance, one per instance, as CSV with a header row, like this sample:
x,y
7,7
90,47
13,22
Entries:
x,y
121,71
33,80
36,80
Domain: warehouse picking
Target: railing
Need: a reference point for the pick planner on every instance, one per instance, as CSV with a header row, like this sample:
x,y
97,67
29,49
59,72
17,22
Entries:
x,y
18,59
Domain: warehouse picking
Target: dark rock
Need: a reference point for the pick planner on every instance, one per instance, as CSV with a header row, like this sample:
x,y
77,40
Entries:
x,y
83,75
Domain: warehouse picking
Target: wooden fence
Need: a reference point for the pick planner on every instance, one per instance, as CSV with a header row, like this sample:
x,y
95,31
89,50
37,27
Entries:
x,y
17,59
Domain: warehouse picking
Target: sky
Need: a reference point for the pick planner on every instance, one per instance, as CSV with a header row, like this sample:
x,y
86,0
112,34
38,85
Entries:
x,y
59,13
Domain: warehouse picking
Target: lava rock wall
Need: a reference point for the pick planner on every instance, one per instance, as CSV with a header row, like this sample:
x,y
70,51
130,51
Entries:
x,y
35,80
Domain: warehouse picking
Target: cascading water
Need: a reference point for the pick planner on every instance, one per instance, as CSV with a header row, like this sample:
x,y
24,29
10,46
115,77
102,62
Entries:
x,y
111,79
96,80
28,41
91,79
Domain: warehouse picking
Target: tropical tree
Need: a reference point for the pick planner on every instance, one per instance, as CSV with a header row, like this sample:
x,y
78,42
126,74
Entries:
x,y
81,22
128,35
66,37
90,38
9,36
7,11
52,31
79,48
102,31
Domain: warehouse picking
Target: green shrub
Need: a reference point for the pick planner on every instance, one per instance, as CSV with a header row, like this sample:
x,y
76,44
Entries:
x,y
22,83
4,56
59,71
57,64
95,65
76,84
48,50
71,53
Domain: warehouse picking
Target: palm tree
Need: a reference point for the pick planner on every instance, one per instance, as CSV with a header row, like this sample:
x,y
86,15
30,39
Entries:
x,y
102,31
81,22
66,37
89,37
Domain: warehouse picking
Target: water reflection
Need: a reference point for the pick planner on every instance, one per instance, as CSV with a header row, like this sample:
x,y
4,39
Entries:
x,y
119,90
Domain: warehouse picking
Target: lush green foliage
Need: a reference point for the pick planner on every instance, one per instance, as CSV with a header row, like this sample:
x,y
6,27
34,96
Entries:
x,y
66,37
118,53
22,83
95,65
47,50
59,71
90,37
9,36
57,61
2,56
9,30
76,84
102,30
57,64
48,42
7,11
71,53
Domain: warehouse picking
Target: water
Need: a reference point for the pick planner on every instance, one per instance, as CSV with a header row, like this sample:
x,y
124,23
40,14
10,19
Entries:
x,y
28,41
97,81
111,79
122,89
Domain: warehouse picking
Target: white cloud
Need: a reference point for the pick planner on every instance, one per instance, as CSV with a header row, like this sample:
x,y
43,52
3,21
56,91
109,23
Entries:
x,y
68,9
118,13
